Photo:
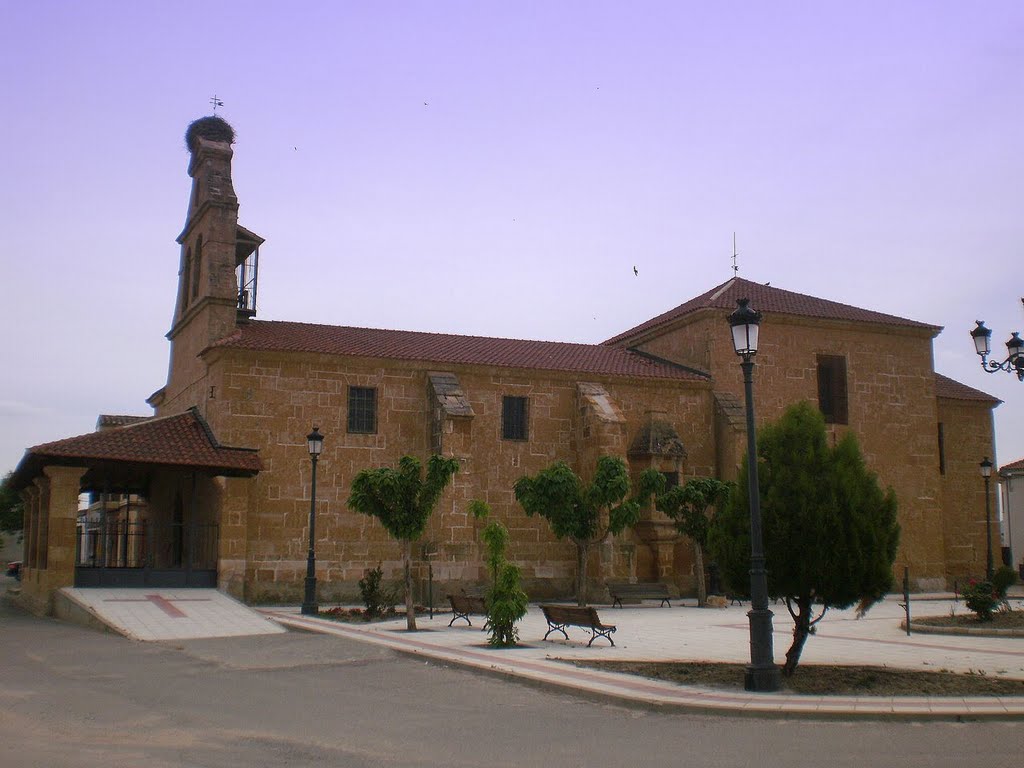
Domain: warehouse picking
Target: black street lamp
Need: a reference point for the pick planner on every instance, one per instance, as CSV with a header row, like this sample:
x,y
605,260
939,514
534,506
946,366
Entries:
x,y
315,442
1014,362
986,472
762,674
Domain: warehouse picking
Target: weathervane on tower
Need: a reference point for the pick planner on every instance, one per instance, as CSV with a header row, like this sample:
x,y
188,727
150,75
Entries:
x,y
216,103
735,253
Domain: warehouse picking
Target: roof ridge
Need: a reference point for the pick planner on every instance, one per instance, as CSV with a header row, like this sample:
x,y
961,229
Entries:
x,y
722,288
767,298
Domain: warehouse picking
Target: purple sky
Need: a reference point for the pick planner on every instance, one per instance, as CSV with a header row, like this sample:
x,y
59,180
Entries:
x,y
499,170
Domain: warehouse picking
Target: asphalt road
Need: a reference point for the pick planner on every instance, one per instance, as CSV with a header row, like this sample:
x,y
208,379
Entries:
x,y
74,697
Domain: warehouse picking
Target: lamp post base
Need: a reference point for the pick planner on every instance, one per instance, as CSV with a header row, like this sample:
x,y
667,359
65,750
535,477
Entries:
x,y
309,604
762,679
762,674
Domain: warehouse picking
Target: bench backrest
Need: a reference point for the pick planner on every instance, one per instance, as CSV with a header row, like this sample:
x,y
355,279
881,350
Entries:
x,y
468,603
572,614
625,589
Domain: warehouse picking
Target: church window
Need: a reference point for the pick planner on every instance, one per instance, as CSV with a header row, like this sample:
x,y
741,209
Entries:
x,y
514,413
186,278
942,450
832,389
362,409
197,265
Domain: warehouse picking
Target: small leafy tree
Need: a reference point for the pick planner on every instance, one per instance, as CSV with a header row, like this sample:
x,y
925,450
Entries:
x,y
506,600
582,513
403,500
830,532
687,506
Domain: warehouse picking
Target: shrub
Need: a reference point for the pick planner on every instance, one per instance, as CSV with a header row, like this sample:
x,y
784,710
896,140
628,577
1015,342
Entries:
x,y
1002,580
981,597
377,598
506,605
506,600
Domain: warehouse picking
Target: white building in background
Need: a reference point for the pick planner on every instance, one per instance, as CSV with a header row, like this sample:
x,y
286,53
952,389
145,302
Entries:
x,y
1011,496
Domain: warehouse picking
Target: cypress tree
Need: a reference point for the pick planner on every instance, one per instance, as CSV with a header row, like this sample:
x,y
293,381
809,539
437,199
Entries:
x,y
830,532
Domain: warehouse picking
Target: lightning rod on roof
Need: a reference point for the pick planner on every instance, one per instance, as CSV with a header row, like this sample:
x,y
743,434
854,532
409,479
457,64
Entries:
x,y
735,253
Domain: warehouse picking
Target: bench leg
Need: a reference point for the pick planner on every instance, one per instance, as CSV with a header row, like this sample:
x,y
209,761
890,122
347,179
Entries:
x,y
460,616
664,602
556,628
606,634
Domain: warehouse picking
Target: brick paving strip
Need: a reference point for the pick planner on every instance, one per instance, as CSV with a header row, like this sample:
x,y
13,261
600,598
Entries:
x,y
165,604
659,694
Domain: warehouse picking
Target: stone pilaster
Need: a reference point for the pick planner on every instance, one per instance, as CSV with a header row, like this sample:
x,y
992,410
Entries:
x,y
54,537
233,498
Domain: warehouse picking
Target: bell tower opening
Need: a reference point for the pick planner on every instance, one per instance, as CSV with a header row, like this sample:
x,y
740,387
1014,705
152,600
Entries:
x,y
247,266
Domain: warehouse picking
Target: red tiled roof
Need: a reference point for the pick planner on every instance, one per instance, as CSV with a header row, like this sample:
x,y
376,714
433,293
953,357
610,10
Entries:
x,y
1013,466
184,440
279,336
764,298
954,390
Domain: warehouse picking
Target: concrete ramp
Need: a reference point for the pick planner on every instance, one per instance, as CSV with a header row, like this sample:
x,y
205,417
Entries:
x,y
161,614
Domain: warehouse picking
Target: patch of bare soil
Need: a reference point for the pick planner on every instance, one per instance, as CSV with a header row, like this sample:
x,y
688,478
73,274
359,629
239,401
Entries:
x,y
356,615
1000,620
822,679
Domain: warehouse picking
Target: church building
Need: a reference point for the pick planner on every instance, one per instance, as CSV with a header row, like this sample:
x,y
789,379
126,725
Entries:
x,y
214,488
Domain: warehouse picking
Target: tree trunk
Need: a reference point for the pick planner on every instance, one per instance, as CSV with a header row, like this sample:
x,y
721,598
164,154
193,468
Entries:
x,y
801,629
698,563
410,607
581,573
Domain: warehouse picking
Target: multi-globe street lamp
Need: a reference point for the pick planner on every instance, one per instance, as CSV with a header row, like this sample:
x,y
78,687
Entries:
x,y
1014,362
315,443
762,674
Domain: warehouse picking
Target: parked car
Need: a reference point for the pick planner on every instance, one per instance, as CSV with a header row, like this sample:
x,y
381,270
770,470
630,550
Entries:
x,y
14,569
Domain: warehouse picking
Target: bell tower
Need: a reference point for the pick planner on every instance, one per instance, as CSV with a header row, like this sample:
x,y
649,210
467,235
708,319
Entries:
x,y
218,267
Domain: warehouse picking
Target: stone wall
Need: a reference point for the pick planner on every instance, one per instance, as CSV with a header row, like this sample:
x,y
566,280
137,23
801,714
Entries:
x,y
967,439
891,399
272,401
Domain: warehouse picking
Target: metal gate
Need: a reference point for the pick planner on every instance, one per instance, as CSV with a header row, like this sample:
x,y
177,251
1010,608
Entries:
x,y
118,553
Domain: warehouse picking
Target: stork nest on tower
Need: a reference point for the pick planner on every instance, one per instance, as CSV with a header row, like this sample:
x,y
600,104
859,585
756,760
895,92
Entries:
x,y
211,128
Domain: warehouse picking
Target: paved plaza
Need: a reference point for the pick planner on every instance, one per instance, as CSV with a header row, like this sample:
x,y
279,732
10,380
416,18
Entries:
x,y
645,632
684,632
